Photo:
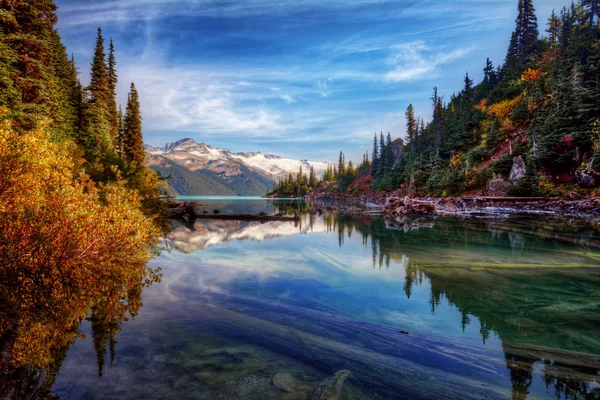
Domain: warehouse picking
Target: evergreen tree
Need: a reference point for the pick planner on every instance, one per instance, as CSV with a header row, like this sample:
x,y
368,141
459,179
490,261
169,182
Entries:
x,y
99,124
553,29
133,145
524,42
411,124
513,60
468,90
341,166
312,178
112,94
35,74
121,130
592,10
375,155
488,71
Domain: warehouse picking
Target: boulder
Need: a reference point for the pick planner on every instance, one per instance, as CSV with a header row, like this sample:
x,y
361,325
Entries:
x,y
397,150
586,179
518,169
497,188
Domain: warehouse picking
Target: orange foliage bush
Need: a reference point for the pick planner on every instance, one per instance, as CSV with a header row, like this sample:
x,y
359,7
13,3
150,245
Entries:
x,y
482,105
64,243
503,109
530,75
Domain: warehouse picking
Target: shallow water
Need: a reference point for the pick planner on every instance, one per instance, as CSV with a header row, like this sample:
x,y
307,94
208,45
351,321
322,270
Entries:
x,y
416,309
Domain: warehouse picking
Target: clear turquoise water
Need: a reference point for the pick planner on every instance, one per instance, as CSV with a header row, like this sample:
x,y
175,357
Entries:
x,y
433,308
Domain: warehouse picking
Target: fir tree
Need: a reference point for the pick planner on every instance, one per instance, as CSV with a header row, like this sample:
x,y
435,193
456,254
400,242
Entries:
x,y
112,94
312,178
524,42
341,166
488,71
468,89
553,29
375,157
121,130
513,60
592,8
99,125
33,65
411,124
133,145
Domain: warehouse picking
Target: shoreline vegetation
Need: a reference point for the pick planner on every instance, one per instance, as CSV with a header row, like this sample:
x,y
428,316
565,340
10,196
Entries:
x,y
79,212
530,128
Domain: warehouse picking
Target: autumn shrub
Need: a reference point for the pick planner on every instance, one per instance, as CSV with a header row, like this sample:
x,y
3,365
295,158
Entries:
x,y
477,179
64,242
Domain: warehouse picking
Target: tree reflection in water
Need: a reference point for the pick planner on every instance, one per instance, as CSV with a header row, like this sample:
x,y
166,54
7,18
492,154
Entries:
x,y
544,317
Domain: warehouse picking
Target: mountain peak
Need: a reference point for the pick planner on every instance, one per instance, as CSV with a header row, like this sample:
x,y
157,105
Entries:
x,y
171,145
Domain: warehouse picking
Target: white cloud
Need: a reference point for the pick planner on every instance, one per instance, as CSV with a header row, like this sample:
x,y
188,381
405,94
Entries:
x,y
122,11
322,89
177,99
414,61
287,98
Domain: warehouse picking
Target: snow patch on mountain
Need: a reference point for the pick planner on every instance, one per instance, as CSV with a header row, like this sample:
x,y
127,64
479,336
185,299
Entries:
x,y
196,156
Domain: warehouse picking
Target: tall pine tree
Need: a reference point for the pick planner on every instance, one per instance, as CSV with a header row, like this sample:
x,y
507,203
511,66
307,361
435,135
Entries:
x,y
133,145
112,94
411,124
98,132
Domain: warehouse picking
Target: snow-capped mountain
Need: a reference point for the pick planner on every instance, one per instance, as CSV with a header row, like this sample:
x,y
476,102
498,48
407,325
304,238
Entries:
x,y
219,171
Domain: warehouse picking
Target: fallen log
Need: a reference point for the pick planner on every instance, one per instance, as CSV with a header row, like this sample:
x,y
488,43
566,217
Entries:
x,y
513,199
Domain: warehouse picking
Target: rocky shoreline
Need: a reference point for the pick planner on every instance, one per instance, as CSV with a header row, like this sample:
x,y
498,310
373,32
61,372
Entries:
x,y
394,205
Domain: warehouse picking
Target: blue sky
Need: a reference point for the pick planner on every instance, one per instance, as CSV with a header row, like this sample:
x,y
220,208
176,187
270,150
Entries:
x,y
300,78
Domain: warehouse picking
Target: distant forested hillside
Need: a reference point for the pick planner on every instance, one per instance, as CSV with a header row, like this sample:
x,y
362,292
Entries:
x,y
189,183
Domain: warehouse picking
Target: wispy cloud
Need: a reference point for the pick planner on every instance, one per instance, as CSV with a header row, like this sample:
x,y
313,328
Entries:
x,y
176,99
323,88
287,98
414,61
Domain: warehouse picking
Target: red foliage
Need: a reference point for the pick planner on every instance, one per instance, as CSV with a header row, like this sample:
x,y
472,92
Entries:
x,y
565,145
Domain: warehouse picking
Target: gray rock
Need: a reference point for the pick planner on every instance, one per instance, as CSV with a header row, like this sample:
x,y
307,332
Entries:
x,y
585,180
330,388
518,169
284,382
397,150
497,188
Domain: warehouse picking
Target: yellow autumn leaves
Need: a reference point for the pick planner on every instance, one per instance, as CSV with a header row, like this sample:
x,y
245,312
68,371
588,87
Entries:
x,y
65,242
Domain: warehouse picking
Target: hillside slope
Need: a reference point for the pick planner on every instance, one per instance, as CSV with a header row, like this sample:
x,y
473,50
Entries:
x,y
188,183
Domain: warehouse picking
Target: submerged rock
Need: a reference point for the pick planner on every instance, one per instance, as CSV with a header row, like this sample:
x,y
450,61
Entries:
x,y
284,382
330,388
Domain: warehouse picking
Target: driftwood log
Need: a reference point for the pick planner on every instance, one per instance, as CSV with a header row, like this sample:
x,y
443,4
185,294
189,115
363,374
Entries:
x,y
509,199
